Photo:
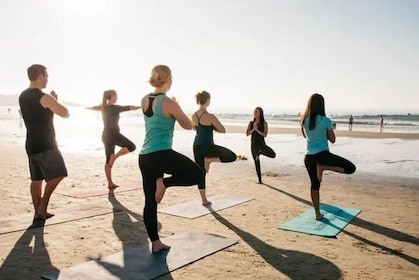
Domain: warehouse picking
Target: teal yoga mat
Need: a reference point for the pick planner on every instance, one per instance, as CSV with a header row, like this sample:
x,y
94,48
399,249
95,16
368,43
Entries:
x,y
335,219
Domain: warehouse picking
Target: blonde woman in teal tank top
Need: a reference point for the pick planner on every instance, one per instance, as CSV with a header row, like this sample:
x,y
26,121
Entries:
x,y
157,156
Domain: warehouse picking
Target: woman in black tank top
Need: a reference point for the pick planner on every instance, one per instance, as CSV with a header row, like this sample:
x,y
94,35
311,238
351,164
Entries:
x,y
258,128
204,149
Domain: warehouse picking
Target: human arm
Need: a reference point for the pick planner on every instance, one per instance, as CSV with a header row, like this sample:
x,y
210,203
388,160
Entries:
x,y
249,129
330,131
172,108
331,135
302,132
50,101
134,107
263,133
217,124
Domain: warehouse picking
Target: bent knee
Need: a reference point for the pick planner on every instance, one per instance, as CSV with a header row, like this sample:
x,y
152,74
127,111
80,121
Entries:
x,y
131,148
351,169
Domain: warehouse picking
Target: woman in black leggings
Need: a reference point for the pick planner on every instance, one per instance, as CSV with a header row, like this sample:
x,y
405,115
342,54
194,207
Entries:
x,y
157,156
258,128
318,130
111,136
204,149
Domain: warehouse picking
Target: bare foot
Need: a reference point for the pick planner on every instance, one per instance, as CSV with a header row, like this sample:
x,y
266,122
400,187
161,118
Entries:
x,y
158,246
112,160
160,189
319,217
206,164
206,203
112,186
49,215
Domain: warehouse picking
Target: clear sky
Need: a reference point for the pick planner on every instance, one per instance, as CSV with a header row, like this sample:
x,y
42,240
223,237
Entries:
x,y
362,55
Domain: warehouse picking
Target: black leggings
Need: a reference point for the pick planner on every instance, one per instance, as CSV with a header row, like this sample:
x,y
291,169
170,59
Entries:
x,y
184,172
211,151
258,150
328,159
110,139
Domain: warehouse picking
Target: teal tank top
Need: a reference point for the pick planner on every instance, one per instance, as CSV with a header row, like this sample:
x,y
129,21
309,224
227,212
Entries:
x,y
158,128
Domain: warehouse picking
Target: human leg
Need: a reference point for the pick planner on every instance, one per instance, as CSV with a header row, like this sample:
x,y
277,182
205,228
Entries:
x,y
184,171
256,159
51,165
267,151
218,154
199,156
126,145
36,193
332,162
150,175
109,144
44,201
311,166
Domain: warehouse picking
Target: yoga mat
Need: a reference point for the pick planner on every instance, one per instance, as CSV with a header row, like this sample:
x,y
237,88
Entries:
x,y
62,215
98,191
194,209
139,263
335,219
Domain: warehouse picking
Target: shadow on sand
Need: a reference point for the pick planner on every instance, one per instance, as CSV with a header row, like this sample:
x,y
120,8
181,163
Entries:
x,y
29,257
389,232
293,264
129,228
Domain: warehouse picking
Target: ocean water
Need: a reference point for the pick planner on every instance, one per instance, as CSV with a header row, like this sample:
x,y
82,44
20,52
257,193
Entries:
x,y
81,133
408,123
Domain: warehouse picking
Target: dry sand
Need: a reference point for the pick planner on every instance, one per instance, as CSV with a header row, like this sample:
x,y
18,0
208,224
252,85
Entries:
x,y
381,243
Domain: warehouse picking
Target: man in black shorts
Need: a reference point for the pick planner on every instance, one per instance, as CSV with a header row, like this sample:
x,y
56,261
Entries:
x,y
45,160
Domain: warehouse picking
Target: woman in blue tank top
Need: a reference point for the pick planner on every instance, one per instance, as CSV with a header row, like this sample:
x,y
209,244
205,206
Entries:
x,y
204,149
318,130
157,157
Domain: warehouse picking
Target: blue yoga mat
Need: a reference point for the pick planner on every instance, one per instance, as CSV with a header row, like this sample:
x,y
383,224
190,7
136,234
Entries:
x,y
335,219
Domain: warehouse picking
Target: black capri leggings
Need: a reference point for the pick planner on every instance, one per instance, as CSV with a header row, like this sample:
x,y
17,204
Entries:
x,y
211,151
258,150
184,172
328,159
112,139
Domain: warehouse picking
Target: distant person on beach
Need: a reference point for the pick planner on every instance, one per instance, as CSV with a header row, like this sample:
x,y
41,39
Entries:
x,y
204,149
318,130
45,159
111,135
351,121
157,156
381,123
258,129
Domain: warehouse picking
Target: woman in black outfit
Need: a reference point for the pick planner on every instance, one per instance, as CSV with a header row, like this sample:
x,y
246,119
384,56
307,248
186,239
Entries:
x,y
204,149
258,128
111,136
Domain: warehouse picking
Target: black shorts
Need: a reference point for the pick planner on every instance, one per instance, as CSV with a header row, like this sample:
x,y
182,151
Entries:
x,y
47,165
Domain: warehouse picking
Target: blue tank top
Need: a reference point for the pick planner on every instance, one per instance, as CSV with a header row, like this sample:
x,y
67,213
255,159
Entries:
x,y
158,127
317,140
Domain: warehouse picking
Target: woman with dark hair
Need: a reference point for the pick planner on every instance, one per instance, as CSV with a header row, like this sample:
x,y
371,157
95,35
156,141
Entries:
x,y
318,130
204,149
258,128
111,136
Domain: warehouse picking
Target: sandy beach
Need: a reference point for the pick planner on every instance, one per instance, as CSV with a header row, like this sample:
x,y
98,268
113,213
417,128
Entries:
x,y
380,243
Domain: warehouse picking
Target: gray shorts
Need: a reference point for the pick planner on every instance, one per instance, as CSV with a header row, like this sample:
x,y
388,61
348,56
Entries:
x,y
47,165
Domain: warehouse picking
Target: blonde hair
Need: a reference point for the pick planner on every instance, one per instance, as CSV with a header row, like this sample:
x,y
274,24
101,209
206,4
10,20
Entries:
x,y
107,95
202,97
159,75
